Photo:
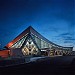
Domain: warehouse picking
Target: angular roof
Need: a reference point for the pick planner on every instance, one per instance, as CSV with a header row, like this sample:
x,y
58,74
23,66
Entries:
x,y
31,30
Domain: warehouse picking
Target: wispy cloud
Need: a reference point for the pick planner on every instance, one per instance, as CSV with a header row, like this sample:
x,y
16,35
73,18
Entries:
x,y
68,38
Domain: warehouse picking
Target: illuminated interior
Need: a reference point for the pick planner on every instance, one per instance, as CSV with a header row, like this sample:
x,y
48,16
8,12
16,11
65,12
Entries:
x,y
31,43
30,48
19,43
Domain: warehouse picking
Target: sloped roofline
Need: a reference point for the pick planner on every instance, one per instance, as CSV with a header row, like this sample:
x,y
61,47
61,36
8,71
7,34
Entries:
x,y
18,37
30,29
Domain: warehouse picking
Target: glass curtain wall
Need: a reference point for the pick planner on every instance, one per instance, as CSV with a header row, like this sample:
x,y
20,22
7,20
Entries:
x,y
19,43
30,48
41,43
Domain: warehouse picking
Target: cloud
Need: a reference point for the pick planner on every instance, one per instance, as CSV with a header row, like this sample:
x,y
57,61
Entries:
x,y
68,38
66,35
53,15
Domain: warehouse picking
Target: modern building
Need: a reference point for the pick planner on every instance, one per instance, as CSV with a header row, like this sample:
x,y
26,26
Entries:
x,y
30,42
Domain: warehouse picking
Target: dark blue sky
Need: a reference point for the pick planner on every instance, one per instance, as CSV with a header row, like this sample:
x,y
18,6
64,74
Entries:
x,y
54,19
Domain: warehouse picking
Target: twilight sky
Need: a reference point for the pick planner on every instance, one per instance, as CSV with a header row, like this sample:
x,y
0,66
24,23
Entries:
x,y
54,19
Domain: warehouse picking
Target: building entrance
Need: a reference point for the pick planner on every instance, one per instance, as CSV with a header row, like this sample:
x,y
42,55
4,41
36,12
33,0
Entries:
x,y
30,48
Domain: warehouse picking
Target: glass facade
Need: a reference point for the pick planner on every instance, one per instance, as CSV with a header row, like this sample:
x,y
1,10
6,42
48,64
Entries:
x,y
19,43
33,43
30,48
41,43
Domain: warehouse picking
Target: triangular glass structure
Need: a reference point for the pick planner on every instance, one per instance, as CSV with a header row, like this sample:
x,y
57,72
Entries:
x,y
19,43
29,47
31,42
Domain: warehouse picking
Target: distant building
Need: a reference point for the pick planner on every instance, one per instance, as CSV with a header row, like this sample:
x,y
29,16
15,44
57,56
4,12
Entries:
x,y
30,42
